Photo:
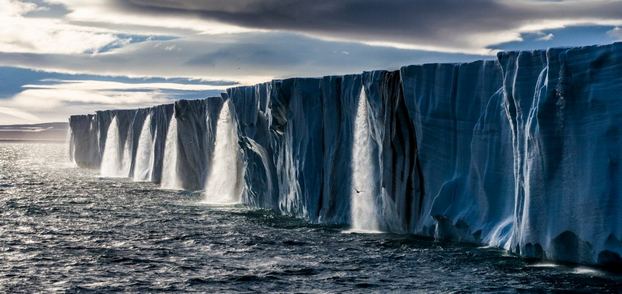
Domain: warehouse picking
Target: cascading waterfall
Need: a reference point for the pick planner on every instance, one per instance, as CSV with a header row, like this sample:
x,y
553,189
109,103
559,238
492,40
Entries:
x,y
126,159
144,153
362,205
170,176
114,163
68,142
223,185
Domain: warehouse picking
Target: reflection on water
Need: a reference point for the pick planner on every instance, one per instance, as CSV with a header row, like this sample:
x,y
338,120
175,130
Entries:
x,y
66,229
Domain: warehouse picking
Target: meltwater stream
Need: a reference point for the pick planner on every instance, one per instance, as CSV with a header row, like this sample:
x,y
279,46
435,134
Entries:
x,y
66,229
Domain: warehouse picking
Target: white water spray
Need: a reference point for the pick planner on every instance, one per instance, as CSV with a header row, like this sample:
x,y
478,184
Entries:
x,y
362,205
115,160
170,176
223,185
126,159
69,142
144,153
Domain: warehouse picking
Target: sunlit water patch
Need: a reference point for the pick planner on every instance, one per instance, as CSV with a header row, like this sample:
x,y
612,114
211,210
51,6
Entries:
x,y
66,229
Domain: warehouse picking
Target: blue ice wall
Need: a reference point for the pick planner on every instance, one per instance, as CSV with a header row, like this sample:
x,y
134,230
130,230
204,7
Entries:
x,y
195,137
83,141
565,112
464,151
254,119
520,153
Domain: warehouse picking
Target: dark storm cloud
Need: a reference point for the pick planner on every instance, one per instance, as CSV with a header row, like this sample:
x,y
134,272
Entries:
x,y
443,23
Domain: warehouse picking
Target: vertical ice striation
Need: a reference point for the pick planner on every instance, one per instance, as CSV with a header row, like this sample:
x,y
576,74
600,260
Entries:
x,y
224,185
565,110
254,120
196,135
393,148
144,153
462,150
363,196
295,128
170,174
83,141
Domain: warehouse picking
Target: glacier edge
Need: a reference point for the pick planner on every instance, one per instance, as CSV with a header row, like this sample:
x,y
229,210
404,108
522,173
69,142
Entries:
x,y
521,152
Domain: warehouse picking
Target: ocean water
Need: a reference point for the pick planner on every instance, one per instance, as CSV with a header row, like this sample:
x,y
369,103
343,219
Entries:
x,y
66,229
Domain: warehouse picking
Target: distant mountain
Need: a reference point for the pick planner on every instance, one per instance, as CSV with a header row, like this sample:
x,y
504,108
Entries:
x,y
45,132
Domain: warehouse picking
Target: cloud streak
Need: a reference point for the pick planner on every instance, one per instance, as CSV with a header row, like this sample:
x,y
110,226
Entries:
x,y
14,116
56,103
91,55
46,98
19,33
248,58
446,25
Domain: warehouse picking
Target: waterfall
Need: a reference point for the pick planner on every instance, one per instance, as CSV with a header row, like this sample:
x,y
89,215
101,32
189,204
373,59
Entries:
x,y
115,160
362,205
223,184
126,159
144,153
69,142
170,176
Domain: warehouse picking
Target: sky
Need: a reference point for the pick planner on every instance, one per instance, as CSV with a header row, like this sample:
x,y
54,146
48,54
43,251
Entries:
x,y
64,57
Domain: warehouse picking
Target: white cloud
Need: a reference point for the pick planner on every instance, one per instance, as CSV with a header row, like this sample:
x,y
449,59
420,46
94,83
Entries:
x,y
41,105
89,24
442,25
90,85
16,116
245,58
56,102
55,98
16,8
46,35
209,49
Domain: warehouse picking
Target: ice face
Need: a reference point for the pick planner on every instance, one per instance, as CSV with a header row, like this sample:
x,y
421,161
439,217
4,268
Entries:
x,y
521,152
564,109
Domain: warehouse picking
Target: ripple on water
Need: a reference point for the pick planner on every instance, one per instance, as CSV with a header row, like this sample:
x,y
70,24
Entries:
x,y
68,230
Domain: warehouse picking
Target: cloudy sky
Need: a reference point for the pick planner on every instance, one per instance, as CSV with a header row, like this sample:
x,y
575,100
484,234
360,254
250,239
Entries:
x,y
62,57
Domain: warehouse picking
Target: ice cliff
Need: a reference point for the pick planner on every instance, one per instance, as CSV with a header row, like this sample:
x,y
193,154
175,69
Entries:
x,y
522,152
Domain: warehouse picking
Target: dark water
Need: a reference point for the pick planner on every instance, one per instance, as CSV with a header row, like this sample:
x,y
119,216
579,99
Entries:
x,y
63,229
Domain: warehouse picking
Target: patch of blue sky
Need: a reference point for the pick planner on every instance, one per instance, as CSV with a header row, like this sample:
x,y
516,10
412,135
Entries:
x,y
125,39
14,79
564,37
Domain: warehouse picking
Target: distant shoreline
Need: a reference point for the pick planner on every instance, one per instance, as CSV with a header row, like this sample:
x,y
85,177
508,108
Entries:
x,y
35,133
31,141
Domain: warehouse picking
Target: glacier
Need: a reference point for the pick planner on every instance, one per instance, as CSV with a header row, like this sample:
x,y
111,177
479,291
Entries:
x,y
521,152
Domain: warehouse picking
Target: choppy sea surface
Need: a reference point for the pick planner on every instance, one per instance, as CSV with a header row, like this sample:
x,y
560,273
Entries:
x,y
64,229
